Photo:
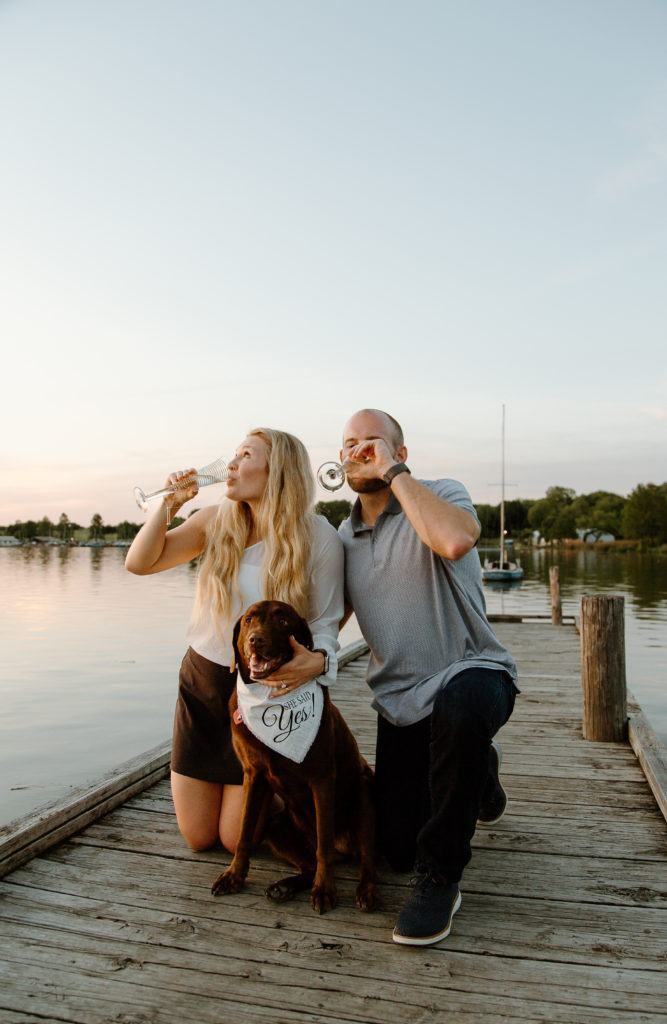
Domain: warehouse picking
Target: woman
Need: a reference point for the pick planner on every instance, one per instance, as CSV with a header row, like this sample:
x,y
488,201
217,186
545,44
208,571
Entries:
x,y
264,542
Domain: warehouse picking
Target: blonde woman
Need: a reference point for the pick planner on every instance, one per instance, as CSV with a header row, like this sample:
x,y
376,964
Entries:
x,y
262,541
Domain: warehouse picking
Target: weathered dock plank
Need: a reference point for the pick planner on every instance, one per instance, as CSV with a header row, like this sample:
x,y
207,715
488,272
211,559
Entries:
x,y
20,841
564,915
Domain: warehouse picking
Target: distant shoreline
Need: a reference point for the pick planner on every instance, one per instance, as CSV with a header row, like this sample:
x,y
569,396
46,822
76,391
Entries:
x,y
485,544
598,545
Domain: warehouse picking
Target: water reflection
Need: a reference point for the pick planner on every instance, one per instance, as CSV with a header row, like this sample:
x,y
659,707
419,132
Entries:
x,y
647,578
502,586
96,558
643,577
64,561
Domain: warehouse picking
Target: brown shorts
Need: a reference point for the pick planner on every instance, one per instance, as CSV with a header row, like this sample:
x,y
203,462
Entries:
x,y
202,744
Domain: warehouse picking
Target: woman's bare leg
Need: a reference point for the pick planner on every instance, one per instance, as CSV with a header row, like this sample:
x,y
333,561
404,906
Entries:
x,y
197,805
209,811
231,809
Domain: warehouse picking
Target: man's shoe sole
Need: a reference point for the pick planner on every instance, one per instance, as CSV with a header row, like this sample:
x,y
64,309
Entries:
x,y
428,940
492,821
499,757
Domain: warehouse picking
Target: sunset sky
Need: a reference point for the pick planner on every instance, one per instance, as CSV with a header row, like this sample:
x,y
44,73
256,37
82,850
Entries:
x,y
219,215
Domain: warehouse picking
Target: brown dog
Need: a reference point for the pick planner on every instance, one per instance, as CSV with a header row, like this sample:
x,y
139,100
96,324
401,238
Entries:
x,y
327,795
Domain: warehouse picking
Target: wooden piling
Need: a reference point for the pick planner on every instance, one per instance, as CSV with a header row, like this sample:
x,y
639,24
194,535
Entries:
x,y
554,586
603,682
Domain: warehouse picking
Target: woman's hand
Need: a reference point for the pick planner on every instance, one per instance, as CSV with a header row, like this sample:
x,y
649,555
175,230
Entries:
x,y
304,666
184,491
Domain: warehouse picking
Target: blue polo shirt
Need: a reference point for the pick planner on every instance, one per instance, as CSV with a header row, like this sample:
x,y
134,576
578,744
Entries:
x,y
423,616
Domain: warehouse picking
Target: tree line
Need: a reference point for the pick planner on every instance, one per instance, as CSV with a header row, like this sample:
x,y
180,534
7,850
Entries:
x,y
561,513
67,530
642,516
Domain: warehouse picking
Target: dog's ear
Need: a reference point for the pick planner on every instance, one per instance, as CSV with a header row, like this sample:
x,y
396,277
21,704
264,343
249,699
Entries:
x,y
301,632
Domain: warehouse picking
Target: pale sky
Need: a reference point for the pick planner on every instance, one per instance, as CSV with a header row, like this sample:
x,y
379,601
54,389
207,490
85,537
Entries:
x,y
219,215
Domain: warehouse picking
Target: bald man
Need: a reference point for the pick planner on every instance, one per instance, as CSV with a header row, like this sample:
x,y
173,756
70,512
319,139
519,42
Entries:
x,y
442,683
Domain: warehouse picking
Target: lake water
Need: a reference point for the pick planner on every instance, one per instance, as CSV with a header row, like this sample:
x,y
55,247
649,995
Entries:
x,y
90,654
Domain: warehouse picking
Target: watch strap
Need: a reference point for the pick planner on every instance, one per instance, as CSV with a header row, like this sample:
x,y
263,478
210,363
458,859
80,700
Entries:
x,y
321,650
400,467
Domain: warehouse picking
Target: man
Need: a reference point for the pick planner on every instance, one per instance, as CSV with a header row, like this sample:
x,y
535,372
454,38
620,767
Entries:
x,y
443,685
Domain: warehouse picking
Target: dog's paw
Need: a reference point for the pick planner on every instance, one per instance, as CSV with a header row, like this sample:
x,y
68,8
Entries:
x,y
366,896
286,888
279,892
228,881
323,898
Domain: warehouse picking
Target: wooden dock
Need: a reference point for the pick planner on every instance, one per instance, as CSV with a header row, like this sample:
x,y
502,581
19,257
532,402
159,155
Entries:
x,y
564,913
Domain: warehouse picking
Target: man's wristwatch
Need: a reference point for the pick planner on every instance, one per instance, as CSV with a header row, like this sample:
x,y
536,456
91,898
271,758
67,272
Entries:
x,y
400,467
321,650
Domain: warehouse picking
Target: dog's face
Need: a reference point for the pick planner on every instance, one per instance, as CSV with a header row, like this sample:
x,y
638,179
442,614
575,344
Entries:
x,y
261,638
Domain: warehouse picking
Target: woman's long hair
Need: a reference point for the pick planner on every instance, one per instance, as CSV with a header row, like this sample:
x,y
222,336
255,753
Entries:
x,y
284,523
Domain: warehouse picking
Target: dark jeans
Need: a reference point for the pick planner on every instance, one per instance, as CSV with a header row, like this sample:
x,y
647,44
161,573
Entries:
x,y
431,777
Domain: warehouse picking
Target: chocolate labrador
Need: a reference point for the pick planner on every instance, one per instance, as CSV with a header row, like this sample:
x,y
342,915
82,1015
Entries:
x,y
299,747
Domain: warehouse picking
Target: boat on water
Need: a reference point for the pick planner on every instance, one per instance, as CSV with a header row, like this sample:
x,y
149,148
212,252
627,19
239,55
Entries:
x,y
505,572
504,569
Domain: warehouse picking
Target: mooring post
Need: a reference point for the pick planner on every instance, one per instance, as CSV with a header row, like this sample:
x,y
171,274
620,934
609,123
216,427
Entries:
x,y
556,606
605,715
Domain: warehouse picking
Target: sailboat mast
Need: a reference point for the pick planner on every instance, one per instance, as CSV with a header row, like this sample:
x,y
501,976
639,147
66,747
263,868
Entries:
x,y
502,495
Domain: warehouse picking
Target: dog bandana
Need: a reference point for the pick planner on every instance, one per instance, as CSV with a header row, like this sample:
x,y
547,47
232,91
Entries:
x,y
286,724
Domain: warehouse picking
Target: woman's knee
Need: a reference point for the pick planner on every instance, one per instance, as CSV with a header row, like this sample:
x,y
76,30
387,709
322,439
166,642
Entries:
x,y
229,821
199,835
197,806
229,837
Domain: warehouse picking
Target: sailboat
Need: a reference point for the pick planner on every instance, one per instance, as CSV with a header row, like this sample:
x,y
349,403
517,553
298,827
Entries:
x,y
502,570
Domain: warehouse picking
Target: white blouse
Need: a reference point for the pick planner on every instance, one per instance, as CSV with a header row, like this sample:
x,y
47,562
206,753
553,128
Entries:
x,y
325,603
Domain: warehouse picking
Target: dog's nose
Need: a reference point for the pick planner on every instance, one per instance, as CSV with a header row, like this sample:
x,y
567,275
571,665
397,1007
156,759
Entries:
x,y
254,638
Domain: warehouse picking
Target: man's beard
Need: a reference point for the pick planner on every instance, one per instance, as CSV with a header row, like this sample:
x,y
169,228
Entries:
x,y
367,485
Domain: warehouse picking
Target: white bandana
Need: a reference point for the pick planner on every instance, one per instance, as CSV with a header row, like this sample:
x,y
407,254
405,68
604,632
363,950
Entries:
x,y
287,724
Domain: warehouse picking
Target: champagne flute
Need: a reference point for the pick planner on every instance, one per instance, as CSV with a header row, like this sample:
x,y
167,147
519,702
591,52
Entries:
x,y
214,473
331,475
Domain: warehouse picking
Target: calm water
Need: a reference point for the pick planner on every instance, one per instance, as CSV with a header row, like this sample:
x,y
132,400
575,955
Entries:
x,y
90,654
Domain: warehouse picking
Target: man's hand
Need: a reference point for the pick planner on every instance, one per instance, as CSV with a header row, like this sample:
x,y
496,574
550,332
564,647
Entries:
x,y
377,451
